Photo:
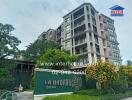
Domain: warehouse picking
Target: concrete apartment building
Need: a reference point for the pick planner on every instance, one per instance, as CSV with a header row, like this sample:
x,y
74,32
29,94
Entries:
x,y
48,35
107,27
88,34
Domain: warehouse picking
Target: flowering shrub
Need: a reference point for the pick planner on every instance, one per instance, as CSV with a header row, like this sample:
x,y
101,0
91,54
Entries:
x,y
102,72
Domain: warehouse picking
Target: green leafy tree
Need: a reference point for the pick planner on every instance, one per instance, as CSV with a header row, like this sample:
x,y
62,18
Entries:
x,y
36,49
8,42
8,48
56,59
127,71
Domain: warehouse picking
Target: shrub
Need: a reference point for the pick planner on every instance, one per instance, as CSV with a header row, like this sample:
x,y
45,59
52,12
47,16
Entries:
x,y
120,85
102,72
127,71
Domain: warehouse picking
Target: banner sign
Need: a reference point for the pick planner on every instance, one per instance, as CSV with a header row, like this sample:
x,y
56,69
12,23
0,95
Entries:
x,y
57,81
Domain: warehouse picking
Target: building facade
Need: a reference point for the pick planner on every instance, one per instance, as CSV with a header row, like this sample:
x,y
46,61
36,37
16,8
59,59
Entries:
x,y
112,51
48,35
129,63
88,34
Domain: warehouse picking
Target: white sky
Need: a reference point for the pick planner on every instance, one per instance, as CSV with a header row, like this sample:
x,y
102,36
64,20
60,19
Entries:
x,y
31,17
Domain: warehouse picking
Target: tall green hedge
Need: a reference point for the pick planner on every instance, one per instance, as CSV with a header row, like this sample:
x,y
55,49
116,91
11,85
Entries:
x,y
6,79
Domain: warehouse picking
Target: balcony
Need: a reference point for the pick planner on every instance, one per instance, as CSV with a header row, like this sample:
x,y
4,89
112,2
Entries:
x,y
82,53
79,30
78,13
81,42
81,49
79,24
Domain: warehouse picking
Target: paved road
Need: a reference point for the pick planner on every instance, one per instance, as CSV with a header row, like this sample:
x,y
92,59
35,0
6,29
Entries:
x,y
26,95
130,98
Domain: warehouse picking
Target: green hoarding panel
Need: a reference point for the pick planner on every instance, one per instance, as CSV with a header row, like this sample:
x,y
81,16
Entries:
x,y
57,81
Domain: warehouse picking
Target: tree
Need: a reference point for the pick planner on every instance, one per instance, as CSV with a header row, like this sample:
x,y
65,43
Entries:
x,y
8,43
36,49
6,78
56,59
127,71
102,72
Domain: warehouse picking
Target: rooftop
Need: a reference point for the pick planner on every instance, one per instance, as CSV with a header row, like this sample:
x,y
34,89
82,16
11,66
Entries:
x,y
80,7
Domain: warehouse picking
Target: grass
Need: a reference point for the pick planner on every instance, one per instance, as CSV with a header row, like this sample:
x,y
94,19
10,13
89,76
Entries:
x,y
117,96
90,95
72,97
1,92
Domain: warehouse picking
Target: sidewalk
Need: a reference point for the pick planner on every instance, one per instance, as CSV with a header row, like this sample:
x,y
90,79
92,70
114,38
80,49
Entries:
x,y
130,98
26,95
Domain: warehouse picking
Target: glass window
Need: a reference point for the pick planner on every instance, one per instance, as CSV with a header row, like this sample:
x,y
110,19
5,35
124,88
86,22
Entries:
x,y
92,12
97,48
90,36
94,21
94,29
89,26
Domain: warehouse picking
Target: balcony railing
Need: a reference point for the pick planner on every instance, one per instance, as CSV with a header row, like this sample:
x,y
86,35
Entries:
x,y
78,24
81,52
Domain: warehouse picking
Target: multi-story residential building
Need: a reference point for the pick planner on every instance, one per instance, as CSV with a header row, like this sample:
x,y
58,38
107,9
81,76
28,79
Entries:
x,y
82,34
129,63
88,34
111,51
60,35
49,35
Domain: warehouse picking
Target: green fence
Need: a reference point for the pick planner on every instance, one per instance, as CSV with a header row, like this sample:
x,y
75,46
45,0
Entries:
x,y
22,77
57,81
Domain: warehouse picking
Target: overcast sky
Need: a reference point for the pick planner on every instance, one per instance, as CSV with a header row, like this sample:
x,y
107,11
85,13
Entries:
x,y
31,17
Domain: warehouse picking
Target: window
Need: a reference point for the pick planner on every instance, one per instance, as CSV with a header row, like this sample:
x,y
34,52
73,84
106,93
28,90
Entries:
x,y
100,18
89,26
79,21
90,36
92,12
101,25
80,40
98,57
96,39
94,29
87,9
97,48
84,49
91,46
94,21
88,18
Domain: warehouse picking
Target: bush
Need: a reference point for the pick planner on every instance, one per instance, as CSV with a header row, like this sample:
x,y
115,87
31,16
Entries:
x,y
102,72
127,71
119,86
